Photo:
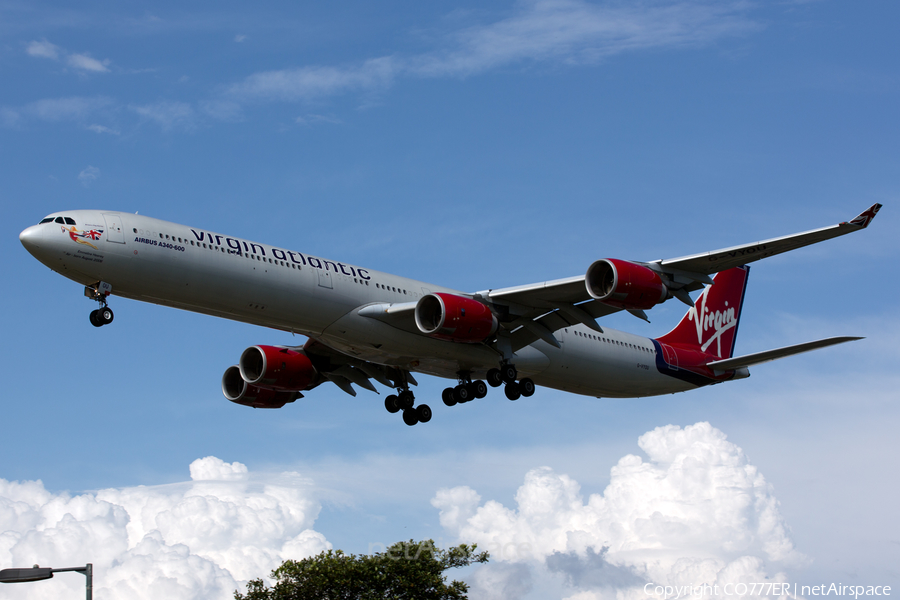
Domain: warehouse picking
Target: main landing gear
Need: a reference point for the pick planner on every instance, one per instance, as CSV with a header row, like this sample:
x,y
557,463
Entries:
x,y
99,292
468,390
507,374
405,401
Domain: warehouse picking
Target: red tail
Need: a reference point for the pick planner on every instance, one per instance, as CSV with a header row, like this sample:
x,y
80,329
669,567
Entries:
x,y
711,324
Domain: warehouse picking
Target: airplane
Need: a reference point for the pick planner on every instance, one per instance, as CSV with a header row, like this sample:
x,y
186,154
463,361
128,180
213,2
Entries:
x,y
365,325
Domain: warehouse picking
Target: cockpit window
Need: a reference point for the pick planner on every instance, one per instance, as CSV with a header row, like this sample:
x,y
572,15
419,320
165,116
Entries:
x,y
60,220
70,221
46,220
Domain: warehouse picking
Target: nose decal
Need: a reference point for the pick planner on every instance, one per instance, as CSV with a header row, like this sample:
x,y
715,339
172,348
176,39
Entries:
x,y
82,237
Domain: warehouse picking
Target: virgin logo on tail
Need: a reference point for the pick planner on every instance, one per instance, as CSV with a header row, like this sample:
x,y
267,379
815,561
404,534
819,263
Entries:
x,y
706,320
714,317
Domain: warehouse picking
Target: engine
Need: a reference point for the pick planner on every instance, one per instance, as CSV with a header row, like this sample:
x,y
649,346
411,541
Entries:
x,y
240,392
274,368
268,377
454,318
625,284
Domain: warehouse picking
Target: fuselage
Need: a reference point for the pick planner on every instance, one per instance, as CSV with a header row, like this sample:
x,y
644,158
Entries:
x,y
193,269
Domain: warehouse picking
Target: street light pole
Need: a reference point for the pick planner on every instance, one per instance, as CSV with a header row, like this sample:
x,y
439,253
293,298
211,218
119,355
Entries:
x,y
37,573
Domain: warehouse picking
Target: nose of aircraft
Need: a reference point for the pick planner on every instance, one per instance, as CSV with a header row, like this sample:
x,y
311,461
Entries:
x,y
32,237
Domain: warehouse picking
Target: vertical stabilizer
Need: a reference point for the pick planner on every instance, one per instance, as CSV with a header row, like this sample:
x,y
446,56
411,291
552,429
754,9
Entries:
x,y
711,324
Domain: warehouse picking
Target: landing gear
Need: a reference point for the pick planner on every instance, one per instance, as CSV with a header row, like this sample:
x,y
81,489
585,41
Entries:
x,y
405,401
466,391
508,374
391,403
99,292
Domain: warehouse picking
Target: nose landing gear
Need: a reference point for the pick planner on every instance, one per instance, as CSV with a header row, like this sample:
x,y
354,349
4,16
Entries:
x,y
99,292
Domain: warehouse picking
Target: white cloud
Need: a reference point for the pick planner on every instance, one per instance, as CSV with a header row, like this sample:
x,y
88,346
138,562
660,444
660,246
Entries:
x,y
167,114
309,83
202,539
43,49
72,108
696,512
559,31
102,129
240,38
82,61
89,175
313,119
87,63
573,31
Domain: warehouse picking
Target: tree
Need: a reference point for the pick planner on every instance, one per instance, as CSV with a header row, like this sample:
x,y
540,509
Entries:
x,y
406,570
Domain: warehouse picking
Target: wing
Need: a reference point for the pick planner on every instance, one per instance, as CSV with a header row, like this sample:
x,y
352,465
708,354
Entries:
x,y
528,313
708,263
344,370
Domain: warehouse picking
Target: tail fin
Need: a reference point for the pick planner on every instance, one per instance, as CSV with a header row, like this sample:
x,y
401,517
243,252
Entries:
x,y
711,324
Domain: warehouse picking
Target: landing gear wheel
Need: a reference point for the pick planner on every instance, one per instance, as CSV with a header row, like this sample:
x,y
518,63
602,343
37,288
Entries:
x,y
95,318
410,417
479,389
462,393
508,373
391,404
494,378
423,413
512,391
406,400
105,315
448,397
526,387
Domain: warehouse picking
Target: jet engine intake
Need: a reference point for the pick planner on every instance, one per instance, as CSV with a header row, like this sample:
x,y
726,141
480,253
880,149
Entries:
x,y
275,368
454,318
625,284
240,392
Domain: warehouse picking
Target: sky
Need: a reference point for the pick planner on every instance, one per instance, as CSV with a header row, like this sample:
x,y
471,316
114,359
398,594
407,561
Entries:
x,y
474,145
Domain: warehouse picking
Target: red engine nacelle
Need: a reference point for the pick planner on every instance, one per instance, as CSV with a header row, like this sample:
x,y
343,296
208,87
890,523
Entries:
x,y
240,392
279,369
625,284
454,318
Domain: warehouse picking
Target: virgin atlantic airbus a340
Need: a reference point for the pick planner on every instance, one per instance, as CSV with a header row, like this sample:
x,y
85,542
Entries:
x,y
365,325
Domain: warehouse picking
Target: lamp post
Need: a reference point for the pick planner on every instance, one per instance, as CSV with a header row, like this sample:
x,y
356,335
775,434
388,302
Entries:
x,y
37,573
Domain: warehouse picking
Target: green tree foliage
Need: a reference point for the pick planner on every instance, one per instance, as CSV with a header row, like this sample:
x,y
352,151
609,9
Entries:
x,y
406,570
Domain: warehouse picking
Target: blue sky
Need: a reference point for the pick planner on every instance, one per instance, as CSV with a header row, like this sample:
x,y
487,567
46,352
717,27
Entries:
x,y
474,146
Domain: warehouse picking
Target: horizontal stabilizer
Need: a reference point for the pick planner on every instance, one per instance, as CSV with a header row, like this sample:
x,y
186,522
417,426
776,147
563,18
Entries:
x,y
730,364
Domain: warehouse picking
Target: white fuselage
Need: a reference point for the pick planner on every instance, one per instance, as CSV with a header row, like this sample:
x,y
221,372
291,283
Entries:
x,y
174,265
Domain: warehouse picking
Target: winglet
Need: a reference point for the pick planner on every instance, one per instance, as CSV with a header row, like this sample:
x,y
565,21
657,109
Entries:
x,y
864,218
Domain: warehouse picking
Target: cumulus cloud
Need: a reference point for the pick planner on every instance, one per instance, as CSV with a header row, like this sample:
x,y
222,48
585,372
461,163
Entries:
x,y
537,31
201,539
696,512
